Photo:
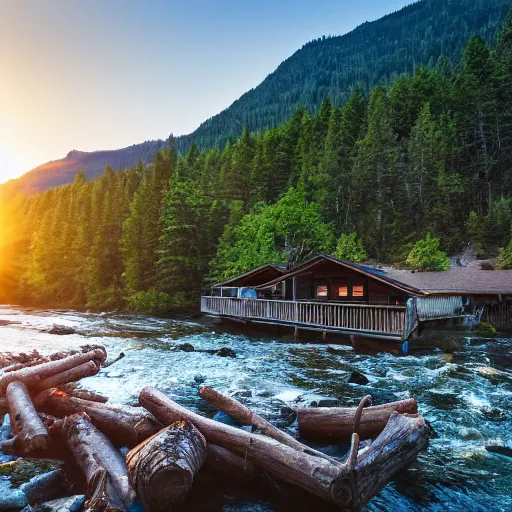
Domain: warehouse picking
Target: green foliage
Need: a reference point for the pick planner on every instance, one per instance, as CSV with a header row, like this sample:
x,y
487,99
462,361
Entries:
x,y
505,257
485,329
290,231
374,53
426,255
350,248
150,302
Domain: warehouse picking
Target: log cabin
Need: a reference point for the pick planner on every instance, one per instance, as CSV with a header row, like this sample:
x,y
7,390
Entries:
x,y
330,295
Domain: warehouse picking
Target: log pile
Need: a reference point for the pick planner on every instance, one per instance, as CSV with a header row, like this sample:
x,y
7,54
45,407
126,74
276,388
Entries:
x,y
169,445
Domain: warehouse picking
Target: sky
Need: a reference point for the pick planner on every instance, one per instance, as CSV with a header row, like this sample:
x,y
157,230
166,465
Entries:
x,y
106,74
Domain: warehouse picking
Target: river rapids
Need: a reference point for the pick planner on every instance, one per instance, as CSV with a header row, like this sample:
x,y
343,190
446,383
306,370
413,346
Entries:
x,y
466,396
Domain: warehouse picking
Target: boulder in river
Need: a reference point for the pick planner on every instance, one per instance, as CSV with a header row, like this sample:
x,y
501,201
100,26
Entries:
x,y
500,449
314,400
61,330
225,352
358,378
185,347
494,414
470,434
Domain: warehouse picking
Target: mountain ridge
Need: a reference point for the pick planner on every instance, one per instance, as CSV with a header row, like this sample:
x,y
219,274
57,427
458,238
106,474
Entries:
x,y
327,67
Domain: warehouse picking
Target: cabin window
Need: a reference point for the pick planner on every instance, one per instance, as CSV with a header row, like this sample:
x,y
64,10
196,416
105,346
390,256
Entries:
x,y
322,290
358,290
343,290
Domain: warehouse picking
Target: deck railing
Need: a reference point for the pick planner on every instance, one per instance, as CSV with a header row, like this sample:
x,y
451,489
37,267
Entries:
x,y
387,320
498,315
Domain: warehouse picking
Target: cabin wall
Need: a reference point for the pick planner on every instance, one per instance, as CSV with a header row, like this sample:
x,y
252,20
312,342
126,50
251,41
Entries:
x,y
343,285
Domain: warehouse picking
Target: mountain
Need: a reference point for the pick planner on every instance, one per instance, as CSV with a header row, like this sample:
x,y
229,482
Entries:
x,y
59,172
373,53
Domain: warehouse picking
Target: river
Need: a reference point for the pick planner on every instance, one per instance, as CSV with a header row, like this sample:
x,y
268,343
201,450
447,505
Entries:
x,y
466,396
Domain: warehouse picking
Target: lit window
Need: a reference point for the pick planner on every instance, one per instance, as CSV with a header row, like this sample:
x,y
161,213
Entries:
x,y
342,291
321,291
358,290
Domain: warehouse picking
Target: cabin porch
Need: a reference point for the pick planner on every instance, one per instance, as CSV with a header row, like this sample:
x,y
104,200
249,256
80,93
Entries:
x,y
371,320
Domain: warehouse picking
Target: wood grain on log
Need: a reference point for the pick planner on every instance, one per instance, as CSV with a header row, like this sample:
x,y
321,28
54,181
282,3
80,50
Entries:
x,y
335,424
103,466
244,416
82,371
85,394
122,424
30,433
56,449
31,376
349,486
163,467
394,450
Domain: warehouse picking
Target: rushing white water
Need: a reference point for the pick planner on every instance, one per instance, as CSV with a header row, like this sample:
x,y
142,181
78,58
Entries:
x,y
467,396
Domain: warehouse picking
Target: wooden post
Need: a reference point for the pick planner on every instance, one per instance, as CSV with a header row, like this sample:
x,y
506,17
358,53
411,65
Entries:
x,y
296,306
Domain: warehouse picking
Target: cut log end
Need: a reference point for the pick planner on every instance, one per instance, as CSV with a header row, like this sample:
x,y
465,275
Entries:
x,y
163,467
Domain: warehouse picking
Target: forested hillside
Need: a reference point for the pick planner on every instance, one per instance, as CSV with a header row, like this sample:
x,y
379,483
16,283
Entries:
x,y
374,53
329,67
430,153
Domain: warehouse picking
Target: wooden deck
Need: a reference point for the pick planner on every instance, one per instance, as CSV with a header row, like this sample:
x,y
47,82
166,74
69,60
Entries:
x,y
387,322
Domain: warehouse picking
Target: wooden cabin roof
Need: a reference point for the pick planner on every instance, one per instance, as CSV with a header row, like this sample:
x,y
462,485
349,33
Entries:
x,y
255,277
374,273
458,281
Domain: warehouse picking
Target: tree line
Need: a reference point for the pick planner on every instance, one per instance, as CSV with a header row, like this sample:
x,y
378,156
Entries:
x,y
374,53
428,157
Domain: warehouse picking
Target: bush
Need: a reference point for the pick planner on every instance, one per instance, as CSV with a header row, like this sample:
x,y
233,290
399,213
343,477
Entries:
x,y
485,329
505,257
151,302
426,255
350,248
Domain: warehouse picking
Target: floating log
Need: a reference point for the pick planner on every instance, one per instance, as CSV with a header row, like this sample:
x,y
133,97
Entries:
x,y
349,486
103,466
31,376
163,467
244,416
30,433
336,424
394,450
226,463
314,474
124,425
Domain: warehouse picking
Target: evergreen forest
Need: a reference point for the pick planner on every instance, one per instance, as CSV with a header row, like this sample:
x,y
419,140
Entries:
x,y
426,157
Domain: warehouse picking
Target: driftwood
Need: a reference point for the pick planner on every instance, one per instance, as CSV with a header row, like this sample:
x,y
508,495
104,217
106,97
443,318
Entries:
x,y
163,467
244,416
11,361
102,465
32,375
30,433
349,485
336,424
85,394
123,425
226,463
82,371
110,362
